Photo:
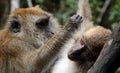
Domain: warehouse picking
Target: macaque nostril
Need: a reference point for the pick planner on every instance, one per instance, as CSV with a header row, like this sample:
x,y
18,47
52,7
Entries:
x,y
74,55
52,33
71,56
81,17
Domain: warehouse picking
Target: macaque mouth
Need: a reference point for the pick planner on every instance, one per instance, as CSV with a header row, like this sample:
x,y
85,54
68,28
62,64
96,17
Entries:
x,y
36,46
50,32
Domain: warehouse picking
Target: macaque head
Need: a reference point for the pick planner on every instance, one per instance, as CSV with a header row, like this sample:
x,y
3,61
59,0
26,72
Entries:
x,y
89,47
80,52
32,25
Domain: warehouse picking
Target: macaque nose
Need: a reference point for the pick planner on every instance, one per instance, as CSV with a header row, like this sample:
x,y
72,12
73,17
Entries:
x,y
75,53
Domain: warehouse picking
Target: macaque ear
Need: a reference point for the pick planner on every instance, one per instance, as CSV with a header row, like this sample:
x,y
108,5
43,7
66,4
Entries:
x,y
37,6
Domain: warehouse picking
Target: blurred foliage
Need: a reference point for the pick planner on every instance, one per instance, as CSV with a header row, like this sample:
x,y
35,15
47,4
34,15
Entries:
x,y
96,6
23,4
63,9
115,12
118,71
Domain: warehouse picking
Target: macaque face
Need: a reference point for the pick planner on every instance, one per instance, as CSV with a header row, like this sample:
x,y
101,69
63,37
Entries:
x,y
32,25
80,52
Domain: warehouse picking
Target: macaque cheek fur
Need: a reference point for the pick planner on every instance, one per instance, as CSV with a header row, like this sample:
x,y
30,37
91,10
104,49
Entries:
x,y
32,25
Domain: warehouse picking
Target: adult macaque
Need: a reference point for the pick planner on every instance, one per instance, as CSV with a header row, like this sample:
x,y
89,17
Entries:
x,y
30,40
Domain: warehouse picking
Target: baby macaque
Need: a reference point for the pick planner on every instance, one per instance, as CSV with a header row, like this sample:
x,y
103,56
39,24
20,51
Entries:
x,y
80,52
86,50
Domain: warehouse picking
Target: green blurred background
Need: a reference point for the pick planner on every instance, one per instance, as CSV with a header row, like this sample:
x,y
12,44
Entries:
x,y
63,9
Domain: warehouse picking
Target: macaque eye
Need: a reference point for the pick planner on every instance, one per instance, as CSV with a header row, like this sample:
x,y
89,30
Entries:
x,y
15,26
42,23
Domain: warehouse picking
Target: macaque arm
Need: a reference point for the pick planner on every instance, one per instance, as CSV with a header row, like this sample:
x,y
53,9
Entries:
x,y
84,9
53,46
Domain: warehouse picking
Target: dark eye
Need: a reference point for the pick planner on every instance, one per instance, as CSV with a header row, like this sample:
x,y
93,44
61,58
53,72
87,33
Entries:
x,y
15,26
42,23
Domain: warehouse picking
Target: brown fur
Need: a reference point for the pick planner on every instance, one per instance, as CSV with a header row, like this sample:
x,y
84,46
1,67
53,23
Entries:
x,y
94,39
97,37
81,51
33,11
25,48
18,50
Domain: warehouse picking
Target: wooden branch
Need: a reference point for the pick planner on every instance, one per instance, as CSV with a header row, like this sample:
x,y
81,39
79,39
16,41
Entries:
x,y
103,10
29,3
109,59
5,14
14,4
102,21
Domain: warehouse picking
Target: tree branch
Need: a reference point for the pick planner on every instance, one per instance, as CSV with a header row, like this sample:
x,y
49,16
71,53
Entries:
x,y
29,3
106,12
14,4
109,58
5,13
103,10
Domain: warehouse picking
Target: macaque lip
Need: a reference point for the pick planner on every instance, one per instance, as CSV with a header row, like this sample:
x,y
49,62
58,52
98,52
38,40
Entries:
x,y
36,46
50,32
